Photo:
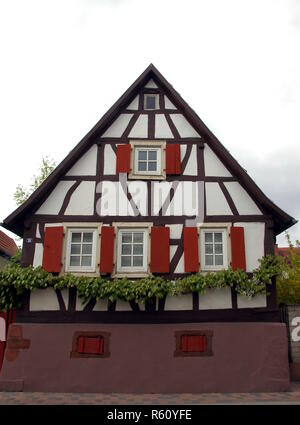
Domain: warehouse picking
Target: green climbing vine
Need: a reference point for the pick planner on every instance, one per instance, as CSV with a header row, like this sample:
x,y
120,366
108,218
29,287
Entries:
x,y
15,280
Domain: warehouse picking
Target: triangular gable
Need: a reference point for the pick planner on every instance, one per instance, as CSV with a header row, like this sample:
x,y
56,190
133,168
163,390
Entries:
x,y
151,76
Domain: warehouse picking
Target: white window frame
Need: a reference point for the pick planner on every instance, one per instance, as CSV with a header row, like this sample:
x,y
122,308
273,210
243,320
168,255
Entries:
x,y
133,270
158,160
160,146
203,266
156,96
92,267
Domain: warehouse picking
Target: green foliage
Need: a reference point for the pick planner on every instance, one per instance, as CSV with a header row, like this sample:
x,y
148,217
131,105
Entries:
x,y
288,285
22,193
15,280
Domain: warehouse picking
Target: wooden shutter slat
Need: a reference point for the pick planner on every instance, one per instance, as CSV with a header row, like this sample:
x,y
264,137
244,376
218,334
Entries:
x,y
173,163
193,343
191,250
107,249
53,249
238,255
123,158
160,250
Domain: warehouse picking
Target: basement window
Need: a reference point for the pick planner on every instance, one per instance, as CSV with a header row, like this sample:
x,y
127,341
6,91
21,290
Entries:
x,y
90,344
193,343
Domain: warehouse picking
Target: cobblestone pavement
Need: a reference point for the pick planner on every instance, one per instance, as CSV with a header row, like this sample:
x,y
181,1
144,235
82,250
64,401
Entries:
x,y
24,398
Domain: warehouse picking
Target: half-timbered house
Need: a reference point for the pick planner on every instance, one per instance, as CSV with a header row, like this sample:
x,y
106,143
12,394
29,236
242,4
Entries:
x,y
149,190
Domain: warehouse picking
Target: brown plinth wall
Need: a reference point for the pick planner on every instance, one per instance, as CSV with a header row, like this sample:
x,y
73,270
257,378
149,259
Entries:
x,y
247,357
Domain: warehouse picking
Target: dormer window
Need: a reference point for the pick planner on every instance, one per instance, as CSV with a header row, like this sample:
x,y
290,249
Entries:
x,y
151,101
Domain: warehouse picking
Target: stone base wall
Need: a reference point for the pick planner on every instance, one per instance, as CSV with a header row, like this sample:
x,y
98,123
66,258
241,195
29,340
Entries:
x,y
246,357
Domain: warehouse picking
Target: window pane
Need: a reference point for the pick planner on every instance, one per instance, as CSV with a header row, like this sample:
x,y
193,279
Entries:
x,y
208,237
151,166
76,237
87,249
218,248
218,237
142,166
209,260
152,155
138,237
75,248
126,249
87,237
219,260
150,102
125,261
137,261
74,261
142,155
126,237
137,249
86,261
209,248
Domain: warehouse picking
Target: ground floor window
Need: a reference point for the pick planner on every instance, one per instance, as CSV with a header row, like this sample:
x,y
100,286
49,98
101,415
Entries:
x,y
132,250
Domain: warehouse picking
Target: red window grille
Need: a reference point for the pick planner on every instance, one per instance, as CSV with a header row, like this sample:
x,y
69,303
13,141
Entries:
x,y
90,345
193,343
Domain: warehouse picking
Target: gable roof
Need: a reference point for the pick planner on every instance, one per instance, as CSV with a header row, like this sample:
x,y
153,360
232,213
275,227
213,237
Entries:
x,y
15,221
7,245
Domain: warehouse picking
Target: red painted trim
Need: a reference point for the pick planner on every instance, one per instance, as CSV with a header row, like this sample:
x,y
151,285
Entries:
x,y
53,249
123,158
191,251
173,164
238,255
107,249
160,250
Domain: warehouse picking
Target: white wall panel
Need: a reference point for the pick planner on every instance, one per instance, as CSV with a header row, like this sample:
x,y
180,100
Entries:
x,y
82,200
53,203
216,203
169,104
162,128
140,128
243,202
43,300
212,165
191,168
38,255
134,105
118,126
184,128
86,165
109,160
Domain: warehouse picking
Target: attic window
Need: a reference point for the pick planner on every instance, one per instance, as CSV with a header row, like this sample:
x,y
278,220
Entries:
x,y
151,101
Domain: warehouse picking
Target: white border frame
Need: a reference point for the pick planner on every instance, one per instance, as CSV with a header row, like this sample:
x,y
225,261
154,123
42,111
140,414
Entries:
x,y
158,160
91,268
156,95
225,233
158,144
129,270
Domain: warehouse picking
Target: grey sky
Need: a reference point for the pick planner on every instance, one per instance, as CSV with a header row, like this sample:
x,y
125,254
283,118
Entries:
x,y
236,62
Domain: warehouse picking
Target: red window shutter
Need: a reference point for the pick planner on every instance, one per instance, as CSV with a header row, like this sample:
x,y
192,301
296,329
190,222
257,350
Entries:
x,y
190,243
90,345
107,249
160,250
173,164
80,344
53,248
193,343
238,248
123,158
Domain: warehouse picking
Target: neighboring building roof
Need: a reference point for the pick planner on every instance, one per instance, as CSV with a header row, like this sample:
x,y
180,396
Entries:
x,y
15,221
7,244
285,251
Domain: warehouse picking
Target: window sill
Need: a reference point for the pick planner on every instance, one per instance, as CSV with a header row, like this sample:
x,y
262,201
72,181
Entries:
x,y
129,275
